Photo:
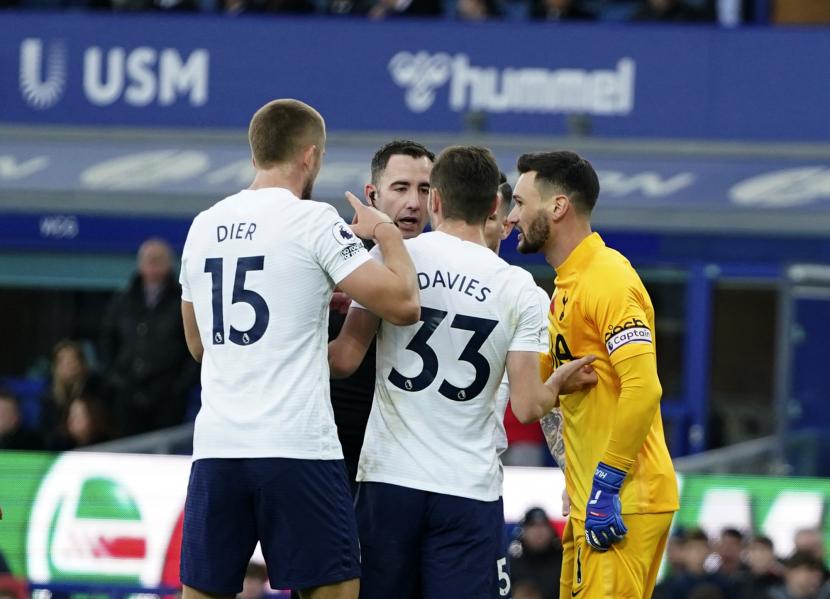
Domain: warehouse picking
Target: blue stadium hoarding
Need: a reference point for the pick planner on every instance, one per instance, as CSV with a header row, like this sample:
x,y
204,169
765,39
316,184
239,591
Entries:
x,y
192,167
207,71
107,193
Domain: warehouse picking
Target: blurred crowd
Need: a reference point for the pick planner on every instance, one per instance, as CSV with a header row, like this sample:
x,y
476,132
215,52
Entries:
x,y
741,567
727,12
137,378
732,566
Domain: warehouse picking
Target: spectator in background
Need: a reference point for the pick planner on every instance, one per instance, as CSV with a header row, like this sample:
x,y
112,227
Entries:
x,y
668,10
536,556
478,10
675,553
87,422
70,377
765,571
803,578
147,367
728,557
810,540
680,585
560,10
12,433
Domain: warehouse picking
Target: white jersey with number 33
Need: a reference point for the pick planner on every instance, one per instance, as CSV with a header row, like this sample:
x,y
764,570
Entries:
x,y
259,268
435,423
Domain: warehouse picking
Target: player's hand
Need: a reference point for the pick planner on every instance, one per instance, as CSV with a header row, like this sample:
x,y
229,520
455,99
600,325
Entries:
x,y
366,218
603,515
573,376
340,302
566,502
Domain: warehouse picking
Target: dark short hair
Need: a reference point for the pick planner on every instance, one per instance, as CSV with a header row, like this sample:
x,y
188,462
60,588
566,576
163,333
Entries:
x,y
695,534
803,559
468,179
734,533
506,191
281,129
73,346
398,147
9,395
566,171
765,541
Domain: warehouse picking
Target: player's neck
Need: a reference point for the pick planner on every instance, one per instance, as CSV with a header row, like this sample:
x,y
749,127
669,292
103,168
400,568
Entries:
x,y
462,230
564,243
278,177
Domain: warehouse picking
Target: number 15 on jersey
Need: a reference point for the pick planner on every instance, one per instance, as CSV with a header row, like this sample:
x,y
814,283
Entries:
x,y
215,266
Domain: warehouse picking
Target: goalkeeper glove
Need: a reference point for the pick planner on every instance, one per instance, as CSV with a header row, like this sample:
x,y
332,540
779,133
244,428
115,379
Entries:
x,y
603,518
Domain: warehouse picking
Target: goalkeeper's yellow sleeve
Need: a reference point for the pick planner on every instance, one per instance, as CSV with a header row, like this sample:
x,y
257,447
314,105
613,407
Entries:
x,y
640,394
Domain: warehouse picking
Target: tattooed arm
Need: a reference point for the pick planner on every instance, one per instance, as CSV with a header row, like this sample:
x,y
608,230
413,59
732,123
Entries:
x,y
553,426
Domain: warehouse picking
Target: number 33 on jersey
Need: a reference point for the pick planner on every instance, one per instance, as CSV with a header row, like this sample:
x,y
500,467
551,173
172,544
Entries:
x,y
435,392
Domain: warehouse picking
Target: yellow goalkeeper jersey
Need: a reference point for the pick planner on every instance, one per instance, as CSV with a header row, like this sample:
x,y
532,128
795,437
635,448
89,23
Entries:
x,y
601,307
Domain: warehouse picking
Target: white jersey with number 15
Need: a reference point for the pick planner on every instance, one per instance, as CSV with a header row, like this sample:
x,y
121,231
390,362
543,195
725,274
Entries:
x,y
260,268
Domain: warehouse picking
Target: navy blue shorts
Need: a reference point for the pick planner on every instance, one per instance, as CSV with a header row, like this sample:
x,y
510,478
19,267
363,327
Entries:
x,y
417,544
300,510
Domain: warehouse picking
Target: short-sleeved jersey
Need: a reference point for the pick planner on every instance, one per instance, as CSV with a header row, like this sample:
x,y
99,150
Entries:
x,y
435,424
601,307
503,394
259,268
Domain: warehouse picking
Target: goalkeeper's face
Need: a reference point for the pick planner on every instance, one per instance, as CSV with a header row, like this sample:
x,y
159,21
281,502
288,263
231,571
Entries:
x,y
534,235
529,216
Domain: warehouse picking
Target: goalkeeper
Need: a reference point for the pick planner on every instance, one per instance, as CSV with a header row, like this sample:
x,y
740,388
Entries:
x,y
619,475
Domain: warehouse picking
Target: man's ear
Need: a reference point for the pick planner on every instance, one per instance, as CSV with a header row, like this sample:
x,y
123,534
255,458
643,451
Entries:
x,y
558,207
434,201
309,156
370,192
506,228
494,207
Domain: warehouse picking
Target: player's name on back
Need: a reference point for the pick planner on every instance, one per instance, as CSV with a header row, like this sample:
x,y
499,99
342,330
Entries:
x,y
235,231
461,283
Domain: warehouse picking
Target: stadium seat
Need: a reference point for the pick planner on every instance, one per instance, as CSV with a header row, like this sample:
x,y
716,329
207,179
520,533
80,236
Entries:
x,y
28,391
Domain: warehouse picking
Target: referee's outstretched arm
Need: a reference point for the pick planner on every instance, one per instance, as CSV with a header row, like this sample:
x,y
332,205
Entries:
x,y
388,289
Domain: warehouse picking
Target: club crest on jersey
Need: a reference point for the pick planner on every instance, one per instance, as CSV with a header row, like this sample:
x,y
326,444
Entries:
x,y
632,331
343,234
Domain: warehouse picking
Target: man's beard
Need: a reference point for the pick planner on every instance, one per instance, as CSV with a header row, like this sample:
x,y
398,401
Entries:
x,y
536,235
308,186
307,189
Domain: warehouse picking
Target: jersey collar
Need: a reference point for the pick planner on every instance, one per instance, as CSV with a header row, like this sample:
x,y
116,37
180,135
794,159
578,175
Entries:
x,y
580,255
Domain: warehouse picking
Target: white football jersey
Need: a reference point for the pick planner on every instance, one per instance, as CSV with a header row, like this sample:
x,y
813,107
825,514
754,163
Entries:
x,y
260,267
435,423
503,394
